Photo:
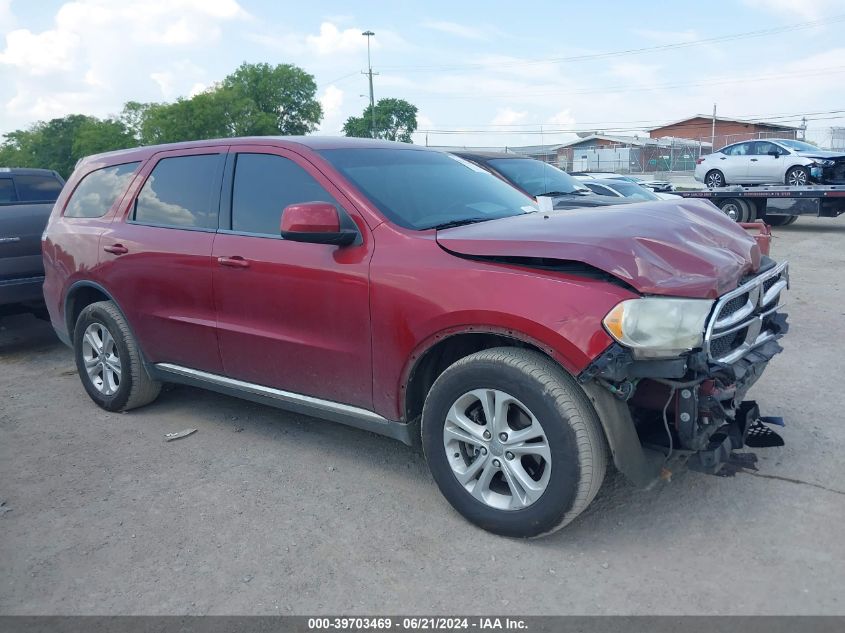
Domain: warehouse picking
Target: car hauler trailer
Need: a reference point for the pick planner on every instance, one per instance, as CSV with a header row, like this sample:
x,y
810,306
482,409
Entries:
x,y
777,205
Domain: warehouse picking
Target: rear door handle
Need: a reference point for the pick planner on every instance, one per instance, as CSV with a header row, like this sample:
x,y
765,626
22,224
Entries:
x,y
236,261
116,249
722,158
753,160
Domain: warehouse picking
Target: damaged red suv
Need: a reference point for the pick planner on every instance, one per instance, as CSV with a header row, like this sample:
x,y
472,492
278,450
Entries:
x,y
406,292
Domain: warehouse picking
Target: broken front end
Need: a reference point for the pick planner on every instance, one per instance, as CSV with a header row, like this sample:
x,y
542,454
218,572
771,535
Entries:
x,y
683,367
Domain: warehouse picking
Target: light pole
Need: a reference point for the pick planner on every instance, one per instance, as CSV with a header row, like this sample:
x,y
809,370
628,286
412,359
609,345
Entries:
x,y
368,35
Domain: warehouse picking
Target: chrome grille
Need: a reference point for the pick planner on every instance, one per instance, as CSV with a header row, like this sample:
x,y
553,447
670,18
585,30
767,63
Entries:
x,y
741,319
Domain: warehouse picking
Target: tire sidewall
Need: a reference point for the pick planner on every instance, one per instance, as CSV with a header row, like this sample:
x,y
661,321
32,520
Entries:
x,y
96,314
545,513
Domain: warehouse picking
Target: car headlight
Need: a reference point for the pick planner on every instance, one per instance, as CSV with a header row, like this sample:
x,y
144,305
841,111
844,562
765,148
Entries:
x,y
657,327
826,163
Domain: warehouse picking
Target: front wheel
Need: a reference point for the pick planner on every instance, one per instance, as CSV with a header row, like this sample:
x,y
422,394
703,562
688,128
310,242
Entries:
x,y
513,442
797,176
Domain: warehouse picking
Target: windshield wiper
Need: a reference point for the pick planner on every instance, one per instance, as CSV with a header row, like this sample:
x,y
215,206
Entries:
x,y
560,193
453,223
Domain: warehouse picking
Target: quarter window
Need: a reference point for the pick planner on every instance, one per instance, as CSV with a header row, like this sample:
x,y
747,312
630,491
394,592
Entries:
x,y
7,190
264,185
180,193
99,190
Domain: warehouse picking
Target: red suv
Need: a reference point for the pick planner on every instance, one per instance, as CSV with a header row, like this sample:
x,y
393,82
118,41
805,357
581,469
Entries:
x,y
407,292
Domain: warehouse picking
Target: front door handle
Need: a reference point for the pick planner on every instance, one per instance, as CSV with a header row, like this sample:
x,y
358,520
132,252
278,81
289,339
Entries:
x,y
753,160
236,261
116,249
722,158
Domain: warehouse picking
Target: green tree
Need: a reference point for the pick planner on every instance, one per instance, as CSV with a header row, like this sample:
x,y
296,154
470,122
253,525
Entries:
x,y
256,99
96,136
395,120
283,96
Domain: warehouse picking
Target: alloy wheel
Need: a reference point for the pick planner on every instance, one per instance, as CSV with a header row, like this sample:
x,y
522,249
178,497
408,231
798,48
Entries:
x,y
497,449
797,177
101,358
714,180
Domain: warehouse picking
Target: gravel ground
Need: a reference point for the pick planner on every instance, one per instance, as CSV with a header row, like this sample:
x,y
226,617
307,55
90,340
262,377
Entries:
x,y
263,512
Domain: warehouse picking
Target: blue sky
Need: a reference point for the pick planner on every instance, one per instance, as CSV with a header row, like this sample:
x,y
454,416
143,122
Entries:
x,y
491,73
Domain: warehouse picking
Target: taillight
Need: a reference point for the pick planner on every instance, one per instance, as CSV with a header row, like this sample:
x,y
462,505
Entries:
x,y
699,161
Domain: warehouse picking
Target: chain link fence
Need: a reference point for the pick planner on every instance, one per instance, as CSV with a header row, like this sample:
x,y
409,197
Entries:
x,y
643,155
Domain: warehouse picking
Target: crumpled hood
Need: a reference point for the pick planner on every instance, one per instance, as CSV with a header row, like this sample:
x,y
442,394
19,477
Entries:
x,y
684,248
821,153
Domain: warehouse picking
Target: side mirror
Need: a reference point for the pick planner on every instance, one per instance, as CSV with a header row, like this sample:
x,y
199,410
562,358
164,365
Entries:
x,y
774,153
316,223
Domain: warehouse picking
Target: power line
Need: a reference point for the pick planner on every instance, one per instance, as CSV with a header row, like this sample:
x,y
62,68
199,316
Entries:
x,y
630,51
744,118
624,89
547,130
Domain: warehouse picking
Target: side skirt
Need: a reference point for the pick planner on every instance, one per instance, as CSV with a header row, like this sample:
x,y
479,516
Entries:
x,y
298,403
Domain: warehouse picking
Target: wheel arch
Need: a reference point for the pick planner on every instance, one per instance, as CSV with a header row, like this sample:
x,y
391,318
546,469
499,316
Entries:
x,y
440,350
83,293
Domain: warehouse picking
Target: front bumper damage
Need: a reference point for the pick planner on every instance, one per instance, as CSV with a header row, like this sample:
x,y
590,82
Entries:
x,y
830,171
692,410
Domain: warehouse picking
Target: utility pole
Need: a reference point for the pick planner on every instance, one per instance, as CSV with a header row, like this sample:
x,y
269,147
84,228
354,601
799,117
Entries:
x,y
713,131
368,34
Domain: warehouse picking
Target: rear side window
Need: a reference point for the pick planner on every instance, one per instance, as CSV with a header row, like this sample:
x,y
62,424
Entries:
x,y
264,185
99,190
37,188
180,193
7,190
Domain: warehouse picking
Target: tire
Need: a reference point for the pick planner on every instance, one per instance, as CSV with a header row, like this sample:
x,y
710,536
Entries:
x,y
714,178
780,220
736,209
797,176
102,340
542,402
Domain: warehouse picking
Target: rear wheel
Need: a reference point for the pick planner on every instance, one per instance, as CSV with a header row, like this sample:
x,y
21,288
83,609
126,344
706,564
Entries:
x,y
736,209
797,176
714,178
513,442
108,360
780,220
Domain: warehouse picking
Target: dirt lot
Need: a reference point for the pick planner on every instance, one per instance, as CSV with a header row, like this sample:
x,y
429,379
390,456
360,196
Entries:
x,y
263,512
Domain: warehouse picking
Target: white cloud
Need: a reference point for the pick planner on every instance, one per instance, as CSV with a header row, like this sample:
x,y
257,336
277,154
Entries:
x,y
508,116
459,30
92,56
636,73
797,11
332,101
7,18
563,118
332,40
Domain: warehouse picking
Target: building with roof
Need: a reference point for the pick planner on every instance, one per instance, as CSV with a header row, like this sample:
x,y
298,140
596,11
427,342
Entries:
x,y
727,131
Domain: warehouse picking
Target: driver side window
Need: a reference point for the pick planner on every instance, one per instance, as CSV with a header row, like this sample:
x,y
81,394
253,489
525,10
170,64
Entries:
x,y
264,185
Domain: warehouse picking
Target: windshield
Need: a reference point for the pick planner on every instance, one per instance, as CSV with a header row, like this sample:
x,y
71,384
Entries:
x,y
535,176
632,190
801,146
420,189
